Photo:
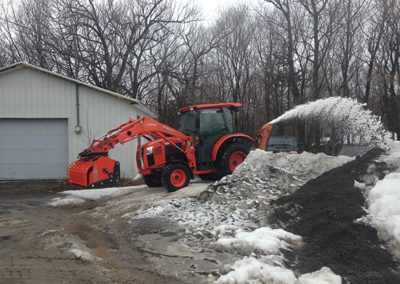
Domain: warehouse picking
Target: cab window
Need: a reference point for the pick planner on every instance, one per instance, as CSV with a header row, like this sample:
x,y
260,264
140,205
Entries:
x,y
187,122
212,121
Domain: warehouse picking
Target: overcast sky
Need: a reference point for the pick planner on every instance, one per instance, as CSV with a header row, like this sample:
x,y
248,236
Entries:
x,y
210,7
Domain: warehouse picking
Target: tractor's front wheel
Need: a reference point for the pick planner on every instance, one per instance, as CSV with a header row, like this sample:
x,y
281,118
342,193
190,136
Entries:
x,y
231,157
152,180
175,176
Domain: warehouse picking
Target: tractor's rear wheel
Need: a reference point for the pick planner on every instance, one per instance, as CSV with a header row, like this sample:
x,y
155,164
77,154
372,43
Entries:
x,y
175,176
152,180
231,157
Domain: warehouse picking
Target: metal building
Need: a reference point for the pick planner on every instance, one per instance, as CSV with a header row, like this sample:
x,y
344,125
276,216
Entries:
x,y
46,119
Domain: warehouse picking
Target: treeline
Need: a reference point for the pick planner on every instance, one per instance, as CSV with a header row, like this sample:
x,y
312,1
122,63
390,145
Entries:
x,y
271,57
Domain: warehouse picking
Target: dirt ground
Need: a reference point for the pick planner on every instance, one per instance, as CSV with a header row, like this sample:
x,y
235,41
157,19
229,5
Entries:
x,y
323,212
36,241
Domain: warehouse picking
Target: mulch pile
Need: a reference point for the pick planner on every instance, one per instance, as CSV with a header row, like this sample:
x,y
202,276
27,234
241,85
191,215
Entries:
x,y
323,212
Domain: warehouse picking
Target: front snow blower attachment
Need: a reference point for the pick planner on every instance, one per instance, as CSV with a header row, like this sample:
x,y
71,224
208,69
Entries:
x,y
99,172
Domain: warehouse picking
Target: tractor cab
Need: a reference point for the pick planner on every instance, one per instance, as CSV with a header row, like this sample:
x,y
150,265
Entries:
x,y
207,123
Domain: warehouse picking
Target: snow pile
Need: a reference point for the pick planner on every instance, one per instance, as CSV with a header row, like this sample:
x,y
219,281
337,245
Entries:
x,y
384,209
255,271
383,197
194,215
262,240
243,198
265,243
75,197
265,176
347,115
231,215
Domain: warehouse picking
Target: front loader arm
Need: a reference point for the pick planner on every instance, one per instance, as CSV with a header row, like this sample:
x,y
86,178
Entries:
x,y
143,127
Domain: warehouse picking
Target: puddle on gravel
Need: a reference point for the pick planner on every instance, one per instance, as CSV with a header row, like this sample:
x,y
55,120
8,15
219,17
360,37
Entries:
x,y
161,241
155,225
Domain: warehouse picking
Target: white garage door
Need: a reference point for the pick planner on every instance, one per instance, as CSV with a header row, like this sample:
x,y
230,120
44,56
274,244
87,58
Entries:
x,y
33,148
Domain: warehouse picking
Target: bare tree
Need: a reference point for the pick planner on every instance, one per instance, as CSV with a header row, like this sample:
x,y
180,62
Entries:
x,y
323,16
391,67
26,27
374,31
354,12
285,7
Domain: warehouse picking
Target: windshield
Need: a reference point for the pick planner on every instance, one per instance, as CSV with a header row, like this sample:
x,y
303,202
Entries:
x,y
187,122
215,120
212,120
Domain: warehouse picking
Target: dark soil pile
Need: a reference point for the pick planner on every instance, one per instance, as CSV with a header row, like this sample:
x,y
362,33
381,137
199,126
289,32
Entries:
x,y
323,212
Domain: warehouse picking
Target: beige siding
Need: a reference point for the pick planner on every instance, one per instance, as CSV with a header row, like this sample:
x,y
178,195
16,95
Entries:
x,y
44,95
27,93
100,113
33,94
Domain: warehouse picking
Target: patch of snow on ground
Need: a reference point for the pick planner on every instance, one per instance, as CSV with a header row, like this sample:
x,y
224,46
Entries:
x,y
322,276
84,255
256,271
348,115
193,189
252,270
264,240
82,252
360,185
137,177
384,209
65,201
75,197
392,157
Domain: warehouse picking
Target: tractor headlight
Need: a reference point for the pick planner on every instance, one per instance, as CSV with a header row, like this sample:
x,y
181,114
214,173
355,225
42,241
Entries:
x,y
149,150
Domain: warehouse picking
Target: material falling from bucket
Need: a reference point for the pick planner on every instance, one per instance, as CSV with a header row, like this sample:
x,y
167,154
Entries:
x,y
347,116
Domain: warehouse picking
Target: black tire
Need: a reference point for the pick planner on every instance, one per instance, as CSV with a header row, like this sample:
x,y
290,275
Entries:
x,y
152,180
175,176
223,162
209,177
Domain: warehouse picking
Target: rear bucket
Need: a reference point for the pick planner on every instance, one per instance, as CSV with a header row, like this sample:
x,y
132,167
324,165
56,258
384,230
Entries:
x,y
101,172
79,171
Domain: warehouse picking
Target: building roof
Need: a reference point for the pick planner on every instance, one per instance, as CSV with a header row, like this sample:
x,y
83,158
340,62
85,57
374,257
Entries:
x,y
21,65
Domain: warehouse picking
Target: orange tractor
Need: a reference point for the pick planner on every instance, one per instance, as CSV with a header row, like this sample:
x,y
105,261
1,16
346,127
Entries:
x,y
206,145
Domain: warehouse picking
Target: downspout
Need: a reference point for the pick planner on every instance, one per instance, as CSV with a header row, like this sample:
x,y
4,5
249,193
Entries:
x,y
78,127
139,139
